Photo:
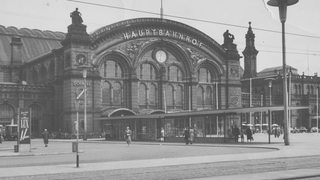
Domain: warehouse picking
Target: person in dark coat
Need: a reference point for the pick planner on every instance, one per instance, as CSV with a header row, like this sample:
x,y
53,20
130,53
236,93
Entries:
x,y
45,135
236,133
186,135
249,134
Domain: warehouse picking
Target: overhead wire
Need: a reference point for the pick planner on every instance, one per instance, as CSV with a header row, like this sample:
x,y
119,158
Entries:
x,y
192,19
206,21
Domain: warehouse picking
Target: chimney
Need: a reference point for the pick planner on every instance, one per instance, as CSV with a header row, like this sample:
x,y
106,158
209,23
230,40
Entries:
x,y
16,51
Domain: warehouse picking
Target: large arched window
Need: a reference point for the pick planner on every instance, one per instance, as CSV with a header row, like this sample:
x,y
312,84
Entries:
x,y
106,93
110,69
208,100
117,94
153,94
112,82
169,96
200,96
142,95
179,96
204,75
174,74
6,113
146,72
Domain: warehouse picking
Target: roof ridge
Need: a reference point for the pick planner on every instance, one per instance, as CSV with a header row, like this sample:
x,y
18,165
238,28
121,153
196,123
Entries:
x,y
32,33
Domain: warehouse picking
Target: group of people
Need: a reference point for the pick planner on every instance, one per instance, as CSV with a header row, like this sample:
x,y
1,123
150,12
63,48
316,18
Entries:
x,y
188,135
128,134
236,133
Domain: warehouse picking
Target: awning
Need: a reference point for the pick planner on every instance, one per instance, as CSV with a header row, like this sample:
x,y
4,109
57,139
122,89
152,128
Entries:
x,y
205,113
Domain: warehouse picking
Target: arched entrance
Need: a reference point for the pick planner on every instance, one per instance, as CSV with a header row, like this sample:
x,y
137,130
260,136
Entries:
x,y
114,129
6,114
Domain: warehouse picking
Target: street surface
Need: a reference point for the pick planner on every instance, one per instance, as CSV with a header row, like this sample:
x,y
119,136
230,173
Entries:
x,y
145,160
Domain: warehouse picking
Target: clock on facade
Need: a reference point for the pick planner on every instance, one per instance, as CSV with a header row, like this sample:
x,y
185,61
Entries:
x,y
161,56
81,59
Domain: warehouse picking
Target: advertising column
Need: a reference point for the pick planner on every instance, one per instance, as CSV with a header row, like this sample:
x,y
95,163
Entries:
x,y
24,127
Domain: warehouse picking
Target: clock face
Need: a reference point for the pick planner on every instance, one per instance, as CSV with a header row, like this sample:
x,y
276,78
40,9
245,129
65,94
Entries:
x,y
81,59
161,56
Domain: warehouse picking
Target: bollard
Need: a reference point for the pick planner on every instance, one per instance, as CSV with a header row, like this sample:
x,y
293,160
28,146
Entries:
x,y
74,147
16,148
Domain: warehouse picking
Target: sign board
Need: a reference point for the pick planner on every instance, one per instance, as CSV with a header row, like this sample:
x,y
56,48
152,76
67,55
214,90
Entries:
x,y
24,126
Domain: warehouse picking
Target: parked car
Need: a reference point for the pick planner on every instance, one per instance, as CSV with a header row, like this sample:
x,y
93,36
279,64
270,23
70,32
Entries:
x,y
11,132
314,129
303,130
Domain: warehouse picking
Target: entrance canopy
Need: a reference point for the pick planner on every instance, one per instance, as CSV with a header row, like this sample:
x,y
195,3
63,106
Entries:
x,y
206,113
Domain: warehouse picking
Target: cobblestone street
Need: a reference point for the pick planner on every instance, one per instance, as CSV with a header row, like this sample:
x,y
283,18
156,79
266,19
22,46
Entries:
x,y
150,160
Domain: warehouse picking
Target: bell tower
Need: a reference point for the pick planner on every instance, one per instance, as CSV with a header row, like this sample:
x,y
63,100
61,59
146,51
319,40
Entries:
x,y
250,55
78,76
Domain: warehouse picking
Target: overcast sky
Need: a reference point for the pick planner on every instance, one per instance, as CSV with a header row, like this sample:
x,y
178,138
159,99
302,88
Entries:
x,y
303,52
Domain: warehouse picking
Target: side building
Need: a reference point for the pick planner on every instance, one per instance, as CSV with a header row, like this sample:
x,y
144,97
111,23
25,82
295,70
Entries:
x,y
265,88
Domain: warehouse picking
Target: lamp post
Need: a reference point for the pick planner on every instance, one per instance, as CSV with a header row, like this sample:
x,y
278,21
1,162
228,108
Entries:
x,y
317,109
282,4
270,104
269,80
84,73
77,129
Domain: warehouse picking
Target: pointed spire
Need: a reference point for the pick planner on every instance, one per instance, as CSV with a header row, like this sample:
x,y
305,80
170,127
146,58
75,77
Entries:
x,y
250,55
161,11
250,34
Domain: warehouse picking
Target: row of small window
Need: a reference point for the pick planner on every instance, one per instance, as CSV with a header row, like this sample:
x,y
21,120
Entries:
x,y
112,94
309,89
112,69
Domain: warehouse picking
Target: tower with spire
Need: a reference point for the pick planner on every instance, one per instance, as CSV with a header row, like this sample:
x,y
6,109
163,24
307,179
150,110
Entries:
x,y
250,55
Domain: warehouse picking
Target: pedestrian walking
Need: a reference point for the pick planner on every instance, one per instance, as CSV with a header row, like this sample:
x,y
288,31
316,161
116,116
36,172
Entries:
x,y
186,135
127,135
242,137
45,135
162,135
191,134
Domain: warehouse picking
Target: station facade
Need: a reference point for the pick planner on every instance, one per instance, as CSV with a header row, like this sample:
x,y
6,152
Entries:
x,y
133,68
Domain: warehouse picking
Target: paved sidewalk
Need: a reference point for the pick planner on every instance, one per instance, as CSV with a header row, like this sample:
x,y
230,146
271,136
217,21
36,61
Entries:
x,y
301,145
279,175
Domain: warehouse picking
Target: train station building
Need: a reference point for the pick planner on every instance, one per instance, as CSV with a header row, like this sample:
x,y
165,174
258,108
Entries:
x,y
145,73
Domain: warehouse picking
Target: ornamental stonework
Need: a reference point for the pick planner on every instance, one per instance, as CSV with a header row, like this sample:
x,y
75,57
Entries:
x,y
195,56
133,48
234,71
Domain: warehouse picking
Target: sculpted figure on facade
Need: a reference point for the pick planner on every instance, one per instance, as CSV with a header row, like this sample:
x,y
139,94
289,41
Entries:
x,y
76,17
228,37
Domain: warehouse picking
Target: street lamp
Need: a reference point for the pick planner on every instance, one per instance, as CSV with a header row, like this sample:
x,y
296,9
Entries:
x,y
84,73
84,69
269,80
282,4
317,109
77,129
